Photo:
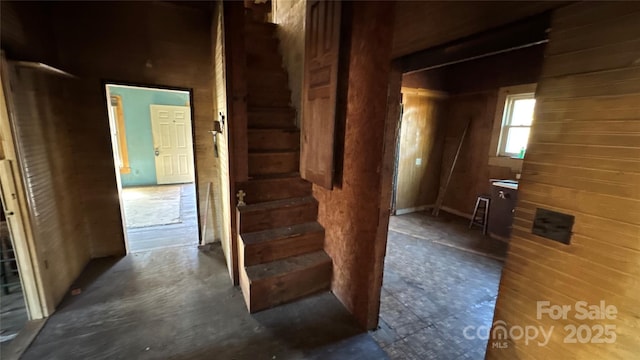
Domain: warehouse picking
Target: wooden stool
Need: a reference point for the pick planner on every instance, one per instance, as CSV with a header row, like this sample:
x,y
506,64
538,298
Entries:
x,y
482,210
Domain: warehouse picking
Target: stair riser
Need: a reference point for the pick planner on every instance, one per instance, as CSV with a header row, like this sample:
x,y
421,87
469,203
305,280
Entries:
x,y
275,218
267,79
260,62
267,293
273,163
262,102
260,29
282,248
275,91
274,189
271,119
268,99
273,140
262,46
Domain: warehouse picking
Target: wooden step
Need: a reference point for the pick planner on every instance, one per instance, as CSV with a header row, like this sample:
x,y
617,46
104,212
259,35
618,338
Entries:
x,y
277,244
276,214
267,285
271,118
264,62
260,29
275,188
267,79
265,98
273,162
258,45
273,139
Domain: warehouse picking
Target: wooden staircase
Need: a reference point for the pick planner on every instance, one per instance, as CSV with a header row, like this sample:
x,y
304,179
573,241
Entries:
x,y
281,254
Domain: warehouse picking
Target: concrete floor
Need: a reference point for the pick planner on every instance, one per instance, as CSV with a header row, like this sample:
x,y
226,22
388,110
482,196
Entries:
x,y
184,233
178,303
439,278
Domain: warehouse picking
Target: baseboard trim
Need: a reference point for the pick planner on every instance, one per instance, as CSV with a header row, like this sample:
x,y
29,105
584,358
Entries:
x,y
414,209
456,212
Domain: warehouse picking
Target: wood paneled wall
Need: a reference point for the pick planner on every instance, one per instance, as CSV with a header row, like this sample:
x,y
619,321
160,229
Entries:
x,y
424,24
71,165
420,149
474,87
43,121
583,160
130,43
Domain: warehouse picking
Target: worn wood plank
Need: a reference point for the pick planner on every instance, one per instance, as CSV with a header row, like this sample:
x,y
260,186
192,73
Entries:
x,y
320,85
289,279
279,213
280,243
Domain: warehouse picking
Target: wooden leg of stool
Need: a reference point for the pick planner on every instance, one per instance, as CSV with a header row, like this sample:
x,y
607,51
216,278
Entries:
x,y
475,212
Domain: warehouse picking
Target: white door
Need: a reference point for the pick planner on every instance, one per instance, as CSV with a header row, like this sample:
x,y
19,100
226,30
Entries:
x,y
172,141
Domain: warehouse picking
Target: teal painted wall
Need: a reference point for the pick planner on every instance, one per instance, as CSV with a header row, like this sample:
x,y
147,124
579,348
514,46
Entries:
x,y
137,120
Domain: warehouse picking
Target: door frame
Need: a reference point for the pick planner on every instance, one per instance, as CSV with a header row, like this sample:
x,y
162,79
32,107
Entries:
x,y
105,95
12,182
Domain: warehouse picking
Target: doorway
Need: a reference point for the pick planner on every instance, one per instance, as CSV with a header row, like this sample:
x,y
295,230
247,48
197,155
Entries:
x,y
152,140
440,277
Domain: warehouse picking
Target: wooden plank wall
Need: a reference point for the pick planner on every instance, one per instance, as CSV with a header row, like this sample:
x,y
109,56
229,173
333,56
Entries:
x,y
420,150
93,40
220,104
42,121
424,24
584,160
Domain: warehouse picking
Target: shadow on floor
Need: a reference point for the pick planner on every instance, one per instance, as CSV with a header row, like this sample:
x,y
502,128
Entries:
x,y
178,303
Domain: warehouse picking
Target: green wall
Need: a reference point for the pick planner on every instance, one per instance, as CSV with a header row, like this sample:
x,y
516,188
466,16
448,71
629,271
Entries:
x,y
137,119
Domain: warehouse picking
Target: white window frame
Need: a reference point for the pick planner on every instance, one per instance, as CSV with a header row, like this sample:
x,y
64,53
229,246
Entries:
x,y
495,159
506,121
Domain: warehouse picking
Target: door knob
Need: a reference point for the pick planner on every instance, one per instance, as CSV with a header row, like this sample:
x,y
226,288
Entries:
x,y
157,151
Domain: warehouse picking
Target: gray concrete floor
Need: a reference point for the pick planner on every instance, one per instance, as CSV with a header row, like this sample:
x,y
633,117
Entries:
x,y
184,233
439,277
178,303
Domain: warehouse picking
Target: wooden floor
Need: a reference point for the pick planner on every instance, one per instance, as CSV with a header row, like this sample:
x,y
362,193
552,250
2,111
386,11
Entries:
x,y
179,303
439,277
184,233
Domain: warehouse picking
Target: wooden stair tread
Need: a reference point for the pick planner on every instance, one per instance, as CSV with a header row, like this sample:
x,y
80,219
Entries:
x,y
276,204
281,233
273,152
286,266
275,176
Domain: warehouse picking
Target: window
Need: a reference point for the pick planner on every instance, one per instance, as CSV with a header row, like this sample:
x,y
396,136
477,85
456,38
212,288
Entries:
x,y
116,118
516,124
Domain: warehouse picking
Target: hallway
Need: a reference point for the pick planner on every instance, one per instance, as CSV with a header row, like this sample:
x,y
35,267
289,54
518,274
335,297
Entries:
x,y
178,303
